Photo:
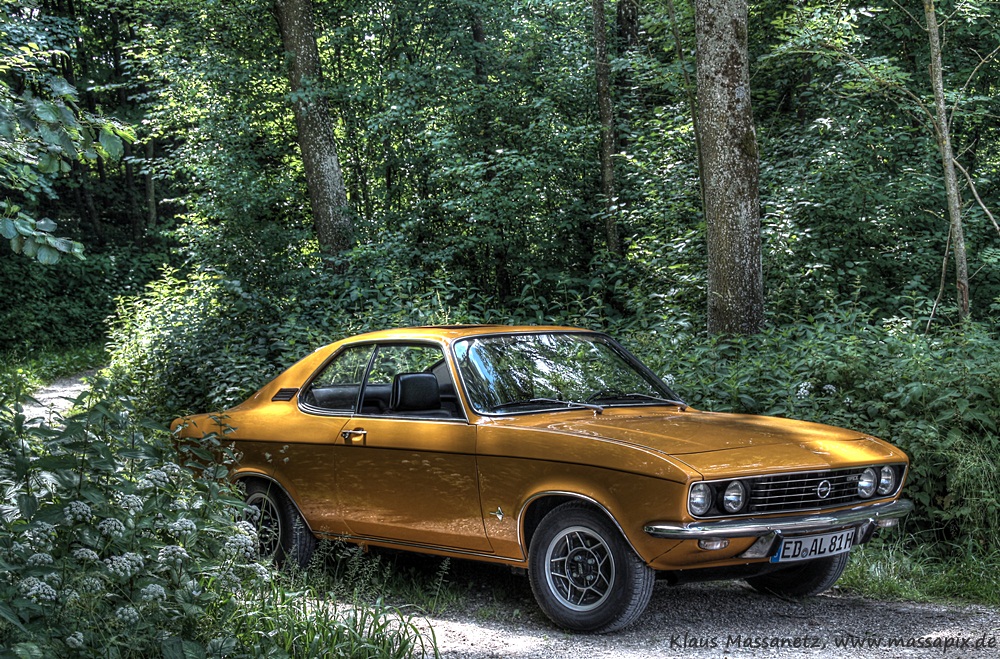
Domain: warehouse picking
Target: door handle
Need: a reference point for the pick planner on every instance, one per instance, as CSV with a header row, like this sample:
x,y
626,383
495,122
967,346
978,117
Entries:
x,y
354,435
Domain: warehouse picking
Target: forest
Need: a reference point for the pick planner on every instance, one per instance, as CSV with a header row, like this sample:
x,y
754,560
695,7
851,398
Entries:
x,y
196,193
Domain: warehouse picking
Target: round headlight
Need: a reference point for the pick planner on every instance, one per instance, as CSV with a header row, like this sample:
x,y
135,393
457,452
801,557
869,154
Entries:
x,y
866,483
735,497
886,480
700,500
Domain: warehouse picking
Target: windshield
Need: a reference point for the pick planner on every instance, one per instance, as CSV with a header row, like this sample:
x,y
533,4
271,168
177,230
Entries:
x,y
534,372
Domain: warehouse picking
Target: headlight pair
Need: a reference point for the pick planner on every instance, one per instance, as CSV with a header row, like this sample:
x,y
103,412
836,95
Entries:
x,y
734,498
883,482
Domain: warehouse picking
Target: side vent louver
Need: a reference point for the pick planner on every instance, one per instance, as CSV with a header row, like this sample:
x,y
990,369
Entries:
x,y
285,394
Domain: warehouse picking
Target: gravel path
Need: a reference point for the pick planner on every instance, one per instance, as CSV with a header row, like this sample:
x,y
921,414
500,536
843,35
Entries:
x,y
730,620
58,396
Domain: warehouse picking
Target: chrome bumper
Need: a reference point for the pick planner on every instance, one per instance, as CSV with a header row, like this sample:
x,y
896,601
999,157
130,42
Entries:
x,y
871,515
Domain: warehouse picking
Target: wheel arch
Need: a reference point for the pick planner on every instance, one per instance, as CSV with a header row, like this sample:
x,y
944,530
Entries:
x,y
270,481
542,503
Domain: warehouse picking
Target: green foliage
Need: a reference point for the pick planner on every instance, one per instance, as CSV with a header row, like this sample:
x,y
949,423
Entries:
x,y
43,129
117,543
66,304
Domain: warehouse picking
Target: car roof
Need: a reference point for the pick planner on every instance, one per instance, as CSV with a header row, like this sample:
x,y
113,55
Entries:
x,y
453,332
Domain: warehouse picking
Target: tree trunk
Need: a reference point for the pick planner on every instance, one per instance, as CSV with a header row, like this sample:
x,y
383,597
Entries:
x,y
150,186
730,171
324,178
607,129
628,24
943,134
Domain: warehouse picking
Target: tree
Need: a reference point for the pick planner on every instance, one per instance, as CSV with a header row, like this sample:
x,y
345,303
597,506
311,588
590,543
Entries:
x,y
324,178
942,131
608,140
730,168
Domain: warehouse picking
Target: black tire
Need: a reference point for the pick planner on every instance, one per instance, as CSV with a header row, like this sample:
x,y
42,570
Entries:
x,y
803,580
281,532
610,586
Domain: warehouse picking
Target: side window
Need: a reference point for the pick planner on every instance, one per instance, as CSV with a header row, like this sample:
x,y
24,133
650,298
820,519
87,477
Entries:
x,y
406,380
337,386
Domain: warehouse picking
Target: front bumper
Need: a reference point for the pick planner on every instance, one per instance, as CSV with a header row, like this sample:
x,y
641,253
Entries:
x,y
874,515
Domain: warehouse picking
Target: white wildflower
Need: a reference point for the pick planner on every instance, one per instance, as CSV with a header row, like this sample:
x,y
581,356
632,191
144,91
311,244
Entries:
x,y
669,379
829,389
91,584
77,511
183,525
111,527
804,390
172,555
44,529
241,546
128,615
154,479
125,566
75,640
69,596
262,572
84,554
37,590
154,592
40,559
228,580
170,468
131,503
246,528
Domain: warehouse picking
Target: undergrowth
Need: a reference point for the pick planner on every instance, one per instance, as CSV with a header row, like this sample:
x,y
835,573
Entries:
x,y
116,543
903,568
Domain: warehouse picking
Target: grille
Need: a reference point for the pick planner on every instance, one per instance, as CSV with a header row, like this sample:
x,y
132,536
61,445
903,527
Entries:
x,y
285,394
802,491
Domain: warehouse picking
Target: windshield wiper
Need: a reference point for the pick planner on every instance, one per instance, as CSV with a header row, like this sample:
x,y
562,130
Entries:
x,y
618,395
598,409
669,401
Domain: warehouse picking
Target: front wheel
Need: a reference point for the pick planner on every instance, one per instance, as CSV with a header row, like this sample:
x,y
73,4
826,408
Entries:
x,y
282,534
803,580
584,574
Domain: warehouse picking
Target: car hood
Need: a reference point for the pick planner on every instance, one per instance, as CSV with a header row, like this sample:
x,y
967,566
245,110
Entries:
x,y
721,444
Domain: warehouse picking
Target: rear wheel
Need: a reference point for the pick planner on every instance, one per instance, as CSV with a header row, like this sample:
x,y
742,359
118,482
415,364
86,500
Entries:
x,y
282,534
584,574
802,580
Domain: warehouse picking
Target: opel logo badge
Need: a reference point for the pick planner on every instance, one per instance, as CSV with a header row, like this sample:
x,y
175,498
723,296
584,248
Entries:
x,y
823,489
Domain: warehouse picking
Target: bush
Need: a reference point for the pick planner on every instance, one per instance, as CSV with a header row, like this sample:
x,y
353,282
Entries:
x,y
66,304
115,544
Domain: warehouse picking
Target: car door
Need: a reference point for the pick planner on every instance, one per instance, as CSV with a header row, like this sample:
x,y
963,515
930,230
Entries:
x,y
406,465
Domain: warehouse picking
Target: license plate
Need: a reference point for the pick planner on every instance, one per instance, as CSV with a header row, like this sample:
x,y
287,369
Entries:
x,y
814,546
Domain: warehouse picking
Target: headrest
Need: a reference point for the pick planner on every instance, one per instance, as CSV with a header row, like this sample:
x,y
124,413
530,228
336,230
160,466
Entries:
x,y
415,391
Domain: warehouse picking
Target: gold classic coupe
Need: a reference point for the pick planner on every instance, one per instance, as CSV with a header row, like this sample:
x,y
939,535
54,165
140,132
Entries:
x,y
555,450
